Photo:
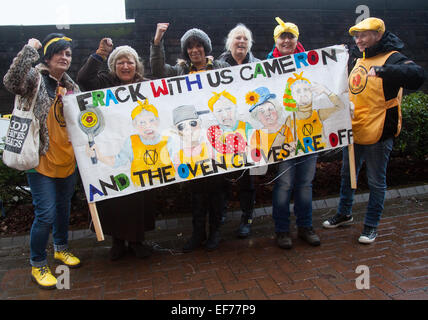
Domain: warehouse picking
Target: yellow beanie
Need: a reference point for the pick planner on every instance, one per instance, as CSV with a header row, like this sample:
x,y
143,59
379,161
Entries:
x,y
285,27
373,24
146,106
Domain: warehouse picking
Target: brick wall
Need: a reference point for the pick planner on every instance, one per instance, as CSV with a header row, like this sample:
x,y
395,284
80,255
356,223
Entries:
x,y
85,41
321,23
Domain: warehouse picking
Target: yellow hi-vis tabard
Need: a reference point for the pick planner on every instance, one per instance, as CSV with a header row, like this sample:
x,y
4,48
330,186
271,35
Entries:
x,y
148,159
368,97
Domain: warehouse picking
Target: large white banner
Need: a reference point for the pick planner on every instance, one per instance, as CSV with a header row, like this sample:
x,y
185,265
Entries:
x,y
155,133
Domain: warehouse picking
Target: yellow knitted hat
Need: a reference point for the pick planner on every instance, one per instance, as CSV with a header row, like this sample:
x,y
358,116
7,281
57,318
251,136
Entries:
x,y
285,27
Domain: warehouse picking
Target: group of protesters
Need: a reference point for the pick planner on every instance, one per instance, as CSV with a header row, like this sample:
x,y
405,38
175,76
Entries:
x,y
376,121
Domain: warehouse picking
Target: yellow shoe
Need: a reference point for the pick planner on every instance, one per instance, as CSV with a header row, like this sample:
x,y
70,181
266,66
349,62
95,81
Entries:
x,y
43,277
67,258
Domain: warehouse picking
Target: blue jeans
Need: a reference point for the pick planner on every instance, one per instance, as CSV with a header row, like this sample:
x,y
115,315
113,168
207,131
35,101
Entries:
x,y
52,201
376,157
297,179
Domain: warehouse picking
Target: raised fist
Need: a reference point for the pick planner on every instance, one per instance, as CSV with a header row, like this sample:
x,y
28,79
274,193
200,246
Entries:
x,y
160,31
105,48
36,44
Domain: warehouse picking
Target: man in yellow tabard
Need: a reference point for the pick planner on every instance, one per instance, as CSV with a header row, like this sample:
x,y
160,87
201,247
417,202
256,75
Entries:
x,y
374,88
147,150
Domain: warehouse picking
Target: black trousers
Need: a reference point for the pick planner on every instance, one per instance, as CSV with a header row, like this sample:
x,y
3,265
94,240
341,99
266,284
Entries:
x,y
207,198
247,192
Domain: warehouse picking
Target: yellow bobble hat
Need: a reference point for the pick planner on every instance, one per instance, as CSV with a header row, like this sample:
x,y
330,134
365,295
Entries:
x,y
144,106
373,24
285,27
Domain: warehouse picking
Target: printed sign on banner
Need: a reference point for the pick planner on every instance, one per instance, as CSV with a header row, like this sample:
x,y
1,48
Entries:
x,y
150,134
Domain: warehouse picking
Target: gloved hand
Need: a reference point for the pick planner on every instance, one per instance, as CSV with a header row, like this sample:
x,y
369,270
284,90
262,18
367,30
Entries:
x,y
105,47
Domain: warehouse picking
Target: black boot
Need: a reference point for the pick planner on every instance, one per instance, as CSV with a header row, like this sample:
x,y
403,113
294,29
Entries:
x,y
283,240
195,241
308,234
141,251
213,239
245,227
118,249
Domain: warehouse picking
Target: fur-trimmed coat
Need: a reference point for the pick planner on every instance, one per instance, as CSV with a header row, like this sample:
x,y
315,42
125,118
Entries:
x,y
21,79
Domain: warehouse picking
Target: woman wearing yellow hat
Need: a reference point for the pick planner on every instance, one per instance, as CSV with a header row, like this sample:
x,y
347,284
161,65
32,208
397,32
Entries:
x,y
296,174
286,36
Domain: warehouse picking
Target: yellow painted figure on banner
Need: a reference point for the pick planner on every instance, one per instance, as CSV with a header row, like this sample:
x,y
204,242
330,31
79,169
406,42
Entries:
x,y
147,151
228,138
193,158
307,123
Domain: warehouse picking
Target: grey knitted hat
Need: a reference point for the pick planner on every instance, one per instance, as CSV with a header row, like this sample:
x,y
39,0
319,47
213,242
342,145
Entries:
x,y
200,35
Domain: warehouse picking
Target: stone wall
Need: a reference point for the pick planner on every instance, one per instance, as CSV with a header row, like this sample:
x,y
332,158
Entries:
x,y
321,23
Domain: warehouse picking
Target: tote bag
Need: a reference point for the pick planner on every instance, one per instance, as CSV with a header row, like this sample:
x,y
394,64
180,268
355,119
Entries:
x,y
21,149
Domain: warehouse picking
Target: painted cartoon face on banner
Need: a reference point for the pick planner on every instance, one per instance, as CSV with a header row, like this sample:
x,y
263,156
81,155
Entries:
x,y
301,92
146,125
267,114
190,131
171,130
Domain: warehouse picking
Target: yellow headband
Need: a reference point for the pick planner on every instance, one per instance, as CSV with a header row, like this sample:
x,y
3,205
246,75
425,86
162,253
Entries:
x,y
217,96
146,106
285,27
54,40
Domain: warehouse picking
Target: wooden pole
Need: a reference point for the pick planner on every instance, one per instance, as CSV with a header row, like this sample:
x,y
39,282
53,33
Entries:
x,y
352,173
96,221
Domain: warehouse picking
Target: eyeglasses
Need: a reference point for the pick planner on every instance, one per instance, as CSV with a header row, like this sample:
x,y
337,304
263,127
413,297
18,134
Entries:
x,y
182,125
287,35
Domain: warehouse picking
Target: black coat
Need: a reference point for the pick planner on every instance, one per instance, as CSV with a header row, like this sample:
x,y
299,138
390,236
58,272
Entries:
x,y
126,217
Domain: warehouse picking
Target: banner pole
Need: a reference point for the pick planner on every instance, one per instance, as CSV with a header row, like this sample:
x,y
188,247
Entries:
x,y
96,221
352,173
